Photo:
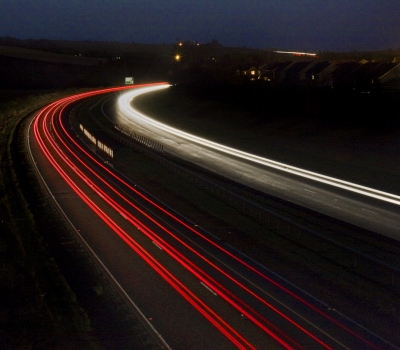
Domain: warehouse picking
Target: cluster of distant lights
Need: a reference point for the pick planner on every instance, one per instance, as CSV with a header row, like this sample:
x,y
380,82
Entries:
x,y
194,43
178,57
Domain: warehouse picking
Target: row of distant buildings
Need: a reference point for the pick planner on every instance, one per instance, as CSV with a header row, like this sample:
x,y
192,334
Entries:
x,y
362,76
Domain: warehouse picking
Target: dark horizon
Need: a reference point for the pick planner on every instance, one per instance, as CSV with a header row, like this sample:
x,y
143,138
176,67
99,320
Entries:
x,y
302,25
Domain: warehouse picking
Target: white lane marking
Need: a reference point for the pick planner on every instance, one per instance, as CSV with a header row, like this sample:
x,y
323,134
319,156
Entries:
x,y
370,211
205,286
156,245
309,191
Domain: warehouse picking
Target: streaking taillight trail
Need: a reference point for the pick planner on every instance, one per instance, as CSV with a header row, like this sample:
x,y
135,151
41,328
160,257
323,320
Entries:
x,y
209,314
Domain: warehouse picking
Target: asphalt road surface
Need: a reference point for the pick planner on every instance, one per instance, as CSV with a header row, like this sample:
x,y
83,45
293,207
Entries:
x,y
190,290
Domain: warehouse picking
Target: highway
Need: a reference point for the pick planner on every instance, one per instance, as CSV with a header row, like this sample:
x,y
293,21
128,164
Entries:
x,y
190,290
365,207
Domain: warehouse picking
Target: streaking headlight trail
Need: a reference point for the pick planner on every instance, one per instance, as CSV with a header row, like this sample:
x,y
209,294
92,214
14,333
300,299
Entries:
x,y
124,106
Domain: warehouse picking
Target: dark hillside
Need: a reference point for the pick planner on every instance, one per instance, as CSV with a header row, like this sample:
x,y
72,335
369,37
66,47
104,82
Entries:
x,y
25,68
261,104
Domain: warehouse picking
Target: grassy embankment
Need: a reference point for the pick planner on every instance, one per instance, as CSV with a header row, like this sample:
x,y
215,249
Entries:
x,y
38,307
53,297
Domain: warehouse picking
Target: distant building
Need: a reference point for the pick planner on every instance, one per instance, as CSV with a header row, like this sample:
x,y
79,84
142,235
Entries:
x,y
367,76
296,72
273,72
386,75
361,76
342,76
248,70
321,74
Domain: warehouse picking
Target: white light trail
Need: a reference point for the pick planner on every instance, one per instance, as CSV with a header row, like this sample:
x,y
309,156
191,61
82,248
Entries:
x,y
298,53
124,106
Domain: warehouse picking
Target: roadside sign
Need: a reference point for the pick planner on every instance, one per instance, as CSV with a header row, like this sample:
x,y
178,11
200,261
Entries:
x,y
128,80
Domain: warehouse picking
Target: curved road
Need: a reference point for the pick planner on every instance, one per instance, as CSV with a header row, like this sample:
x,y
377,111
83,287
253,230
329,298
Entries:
x,y
190,290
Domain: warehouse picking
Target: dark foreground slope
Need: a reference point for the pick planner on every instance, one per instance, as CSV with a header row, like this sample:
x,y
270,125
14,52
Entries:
x,y
53,296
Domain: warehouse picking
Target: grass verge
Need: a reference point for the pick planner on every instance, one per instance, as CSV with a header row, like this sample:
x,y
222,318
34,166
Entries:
x,y
53,296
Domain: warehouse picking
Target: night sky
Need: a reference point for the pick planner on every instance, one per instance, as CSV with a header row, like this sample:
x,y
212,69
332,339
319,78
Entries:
x,y
301,25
